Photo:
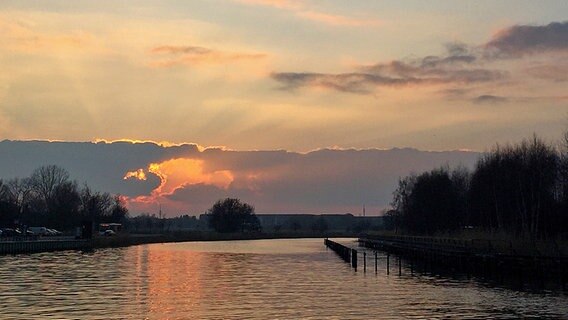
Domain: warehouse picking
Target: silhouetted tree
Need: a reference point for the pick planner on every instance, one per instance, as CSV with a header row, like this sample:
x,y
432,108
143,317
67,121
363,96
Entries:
x,y
119,212
64,206
232,215
514,188
49,198
8,208
45,180
521,189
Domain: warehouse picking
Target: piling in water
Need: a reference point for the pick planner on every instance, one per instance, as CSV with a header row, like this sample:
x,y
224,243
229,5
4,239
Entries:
x,y
354,258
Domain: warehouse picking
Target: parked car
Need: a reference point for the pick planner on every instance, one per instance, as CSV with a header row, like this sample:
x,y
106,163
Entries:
x,y
107,233
9,232
40,231
54,232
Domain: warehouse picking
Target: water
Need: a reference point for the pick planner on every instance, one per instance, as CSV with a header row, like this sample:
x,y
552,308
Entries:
x,y
262,279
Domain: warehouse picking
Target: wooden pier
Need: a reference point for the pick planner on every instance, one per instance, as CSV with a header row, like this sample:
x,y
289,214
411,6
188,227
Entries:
x,y
347,254
494,259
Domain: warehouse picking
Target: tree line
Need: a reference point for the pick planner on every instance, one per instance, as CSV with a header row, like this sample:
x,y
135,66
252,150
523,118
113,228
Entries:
x,y
48,197
520,189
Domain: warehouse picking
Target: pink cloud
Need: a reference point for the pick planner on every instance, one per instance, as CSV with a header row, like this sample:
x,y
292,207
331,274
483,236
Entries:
x,y
300,9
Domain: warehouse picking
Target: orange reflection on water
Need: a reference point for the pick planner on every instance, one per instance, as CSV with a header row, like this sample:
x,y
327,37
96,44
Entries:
x,y
174,278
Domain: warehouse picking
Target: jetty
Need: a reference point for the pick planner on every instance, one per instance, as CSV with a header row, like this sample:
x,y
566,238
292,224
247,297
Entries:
x,y
488,257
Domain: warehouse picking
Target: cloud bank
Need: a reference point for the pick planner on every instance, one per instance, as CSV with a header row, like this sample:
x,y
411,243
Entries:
x,y
185,179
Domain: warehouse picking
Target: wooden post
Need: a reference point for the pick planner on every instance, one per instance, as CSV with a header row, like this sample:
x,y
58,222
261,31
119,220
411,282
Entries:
x,y
376,262
364,261
354,258
388,263
399,266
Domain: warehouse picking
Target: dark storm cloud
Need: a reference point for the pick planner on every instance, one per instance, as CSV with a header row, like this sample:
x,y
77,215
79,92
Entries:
x,y
102,165
274,181
520,40
319,181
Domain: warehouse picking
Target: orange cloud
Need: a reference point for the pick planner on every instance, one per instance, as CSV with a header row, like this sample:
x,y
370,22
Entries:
x,y
158,143
195,55
282,4
178,173
336,20
301,10
17,35
137,174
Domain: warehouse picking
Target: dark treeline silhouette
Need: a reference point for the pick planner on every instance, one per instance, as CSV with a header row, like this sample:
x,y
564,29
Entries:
x,y
49,198
233,215
519,189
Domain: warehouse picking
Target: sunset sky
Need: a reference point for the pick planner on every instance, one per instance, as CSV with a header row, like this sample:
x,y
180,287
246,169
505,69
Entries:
x,y
283,75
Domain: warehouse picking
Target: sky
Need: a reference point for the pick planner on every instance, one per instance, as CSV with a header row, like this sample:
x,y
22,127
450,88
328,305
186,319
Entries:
x,y
288,75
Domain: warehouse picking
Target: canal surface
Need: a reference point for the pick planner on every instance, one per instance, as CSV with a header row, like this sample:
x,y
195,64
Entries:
x,y
261,279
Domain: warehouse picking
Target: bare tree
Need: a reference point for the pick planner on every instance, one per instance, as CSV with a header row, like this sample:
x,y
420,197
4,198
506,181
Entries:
x,y
45,180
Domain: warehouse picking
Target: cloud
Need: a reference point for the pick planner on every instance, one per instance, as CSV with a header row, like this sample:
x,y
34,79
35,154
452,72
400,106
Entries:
x,y
522,40
556,73
21,36
337,20
301,10
489,99
460,65
183,179
281,4
456,67
194,55
136,174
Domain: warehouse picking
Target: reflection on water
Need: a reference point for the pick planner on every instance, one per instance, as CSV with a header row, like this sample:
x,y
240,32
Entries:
x,y
263,279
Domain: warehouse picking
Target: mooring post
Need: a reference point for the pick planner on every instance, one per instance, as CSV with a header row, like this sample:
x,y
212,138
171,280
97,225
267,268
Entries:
x,y
354,258
364,261
399,266
388,263
376,262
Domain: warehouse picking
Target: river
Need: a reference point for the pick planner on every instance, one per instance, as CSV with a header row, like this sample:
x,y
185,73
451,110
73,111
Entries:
x,y
259,279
